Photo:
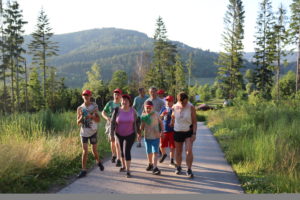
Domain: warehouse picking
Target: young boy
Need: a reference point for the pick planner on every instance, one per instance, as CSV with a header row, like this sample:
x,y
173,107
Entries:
x,y
150,125
87,118
168,139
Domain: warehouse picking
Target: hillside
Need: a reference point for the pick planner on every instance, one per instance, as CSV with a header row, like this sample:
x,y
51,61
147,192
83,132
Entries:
x,y
116,49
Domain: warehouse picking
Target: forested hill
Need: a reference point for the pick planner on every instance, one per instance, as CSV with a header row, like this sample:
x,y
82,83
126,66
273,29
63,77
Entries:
x,y
116,49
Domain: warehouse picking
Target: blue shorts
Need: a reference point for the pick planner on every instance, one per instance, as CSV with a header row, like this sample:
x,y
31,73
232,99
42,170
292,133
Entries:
x,y
152,145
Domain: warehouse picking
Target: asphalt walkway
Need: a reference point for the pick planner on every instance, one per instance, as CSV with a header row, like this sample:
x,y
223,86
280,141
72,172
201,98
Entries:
x,y
212,174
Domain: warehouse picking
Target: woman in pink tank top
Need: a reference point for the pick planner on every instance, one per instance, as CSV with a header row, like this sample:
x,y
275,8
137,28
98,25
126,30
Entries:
x,y
124,125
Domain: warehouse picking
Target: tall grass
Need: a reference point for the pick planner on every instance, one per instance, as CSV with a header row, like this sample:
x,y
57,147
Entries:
x,y
40,150
262,142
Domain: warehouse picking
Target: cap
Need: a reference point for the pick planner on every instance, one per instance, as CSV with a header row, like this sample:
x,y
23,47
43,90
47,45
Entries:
x,y
148,104
169,98
126,96
118,91
160,91
88,92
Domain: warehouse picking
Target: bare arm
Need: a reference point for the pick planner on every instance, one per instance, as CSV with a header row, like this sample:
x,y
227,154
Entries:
x,y
194,119
105,116
79,116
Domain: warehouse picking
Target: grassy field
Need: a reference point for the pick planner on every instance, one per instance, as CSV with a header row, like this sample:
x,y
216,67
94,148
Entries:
x,y
38,151
262,143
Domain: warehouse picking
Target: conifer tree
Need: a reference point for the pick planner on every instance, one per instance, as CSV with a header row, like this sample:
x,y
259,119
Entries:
x,y
295,34
265,50
13,31
231,60
42,47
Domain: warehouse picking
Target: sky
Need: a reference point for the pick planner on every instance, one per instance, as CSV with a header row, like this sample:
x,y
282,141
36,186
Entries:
x,y
197,23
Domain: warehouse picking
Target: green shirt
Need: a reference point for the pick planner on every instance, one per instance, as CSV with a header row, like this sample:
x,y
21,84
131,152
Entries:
x,y
109,107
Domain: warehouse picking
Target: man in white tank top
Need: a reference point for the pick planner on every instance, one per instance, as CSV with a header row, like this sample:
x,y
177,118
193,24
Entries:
x,y
185,128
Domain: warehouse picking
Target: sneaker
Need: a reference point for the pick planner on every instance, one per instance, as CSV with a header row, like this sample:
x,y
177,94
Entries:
x,y
122,169
189,173
81,174
178,170
150,167
101,167
113,159
156,171
139,145
128,175
118,164
163,158
172,162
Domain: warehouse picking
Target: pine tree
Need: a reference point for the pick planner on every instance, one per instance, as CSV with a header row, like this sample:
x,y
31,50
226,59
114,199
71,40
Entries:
x,y
41,47
231,60
295,34
13,20
34,90
281,38
163,60
189,66
265,49
180,77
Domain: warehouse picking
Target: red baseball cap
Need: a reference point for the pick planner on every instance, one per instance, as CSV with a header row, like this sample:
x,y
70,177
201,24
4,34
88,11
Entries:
x,y
160,91
126,96
169,98
118,91
88,92
148,104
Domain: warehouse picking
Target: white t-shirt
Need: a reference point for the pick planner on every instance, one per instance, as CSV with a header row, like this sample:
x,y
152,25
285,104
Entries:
x,y
88,126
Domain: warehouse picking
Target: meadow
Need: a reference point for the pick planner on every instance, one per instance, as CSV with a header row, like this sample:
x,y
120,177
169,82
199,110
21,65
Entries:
x,y
261,141
41,150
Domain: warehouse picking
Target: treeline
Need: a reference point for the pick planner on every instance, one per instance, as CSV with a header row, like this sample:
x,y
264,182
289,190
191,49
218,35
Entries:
x,y
275,33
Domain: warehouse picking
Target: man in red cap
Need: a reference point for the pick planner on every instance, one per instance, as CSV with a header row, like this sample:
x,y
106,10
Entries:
x,y
107,113
87,118
161,94
168,139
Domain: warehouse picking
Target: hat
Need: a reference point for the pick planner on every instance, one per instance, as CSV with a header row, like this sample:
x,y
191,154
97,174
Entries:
x,y
148,104
169,98
160,91
118,91
126,96
87,92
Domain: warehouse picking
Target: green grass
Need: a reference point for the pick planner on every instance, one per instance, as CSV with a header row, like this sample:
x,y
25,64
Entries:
x,y
38,151
262,143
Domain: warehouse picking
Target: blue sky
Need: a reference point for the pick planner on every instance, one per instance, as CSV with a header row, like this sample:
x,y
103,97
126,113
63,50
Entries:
x,y
197,23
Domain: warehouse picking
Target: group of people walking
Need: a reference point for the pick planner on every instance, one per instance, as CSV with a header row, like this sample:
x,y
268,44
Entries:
x,y
162,123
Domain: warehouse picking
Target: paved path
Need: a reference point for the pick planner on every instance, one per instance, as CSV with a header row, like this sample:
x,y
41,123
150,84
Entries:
x,y
212,174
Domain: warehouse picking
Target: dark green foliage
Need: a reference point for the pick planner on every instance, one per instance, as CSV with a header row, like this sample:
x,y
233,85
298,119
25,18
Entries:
x,y
231,60
42,48
265,50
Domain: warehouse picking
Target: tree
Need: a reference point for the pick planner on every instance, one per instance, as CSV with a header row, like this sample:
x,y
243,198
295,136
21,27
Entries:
x,y
265,49
41,47
231,60
34,90
180,77
189,66
13,31
295,34
119,80
281,38
162,71
94,83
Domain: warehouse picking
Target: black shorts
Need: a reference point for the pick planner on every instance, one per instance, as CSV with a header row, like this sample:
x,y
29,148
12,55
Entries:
x,y
180,136
93,139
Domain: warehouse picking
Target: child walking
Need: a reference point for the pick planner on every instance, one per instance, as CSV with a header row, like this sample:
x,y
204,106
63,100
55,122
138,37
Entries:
x,y
153,130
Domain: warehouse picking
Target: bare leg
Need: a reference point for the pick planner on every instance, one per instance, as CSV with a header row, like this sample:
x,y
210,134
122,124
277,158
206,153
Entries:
x,y
84,155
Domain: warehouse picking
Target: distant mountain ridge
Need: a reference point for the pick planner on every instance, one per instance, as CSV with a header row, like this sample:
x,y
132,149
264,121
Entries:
x,y
115,49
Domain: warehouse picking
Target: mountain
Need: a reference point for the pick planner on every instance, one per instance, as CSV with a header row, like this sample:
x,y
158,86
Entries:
x,y
115,49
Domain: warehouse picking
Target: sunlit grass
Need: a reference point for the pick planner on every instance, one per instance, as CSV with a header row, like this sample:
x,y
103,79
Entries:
x,y
40,150
262,143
